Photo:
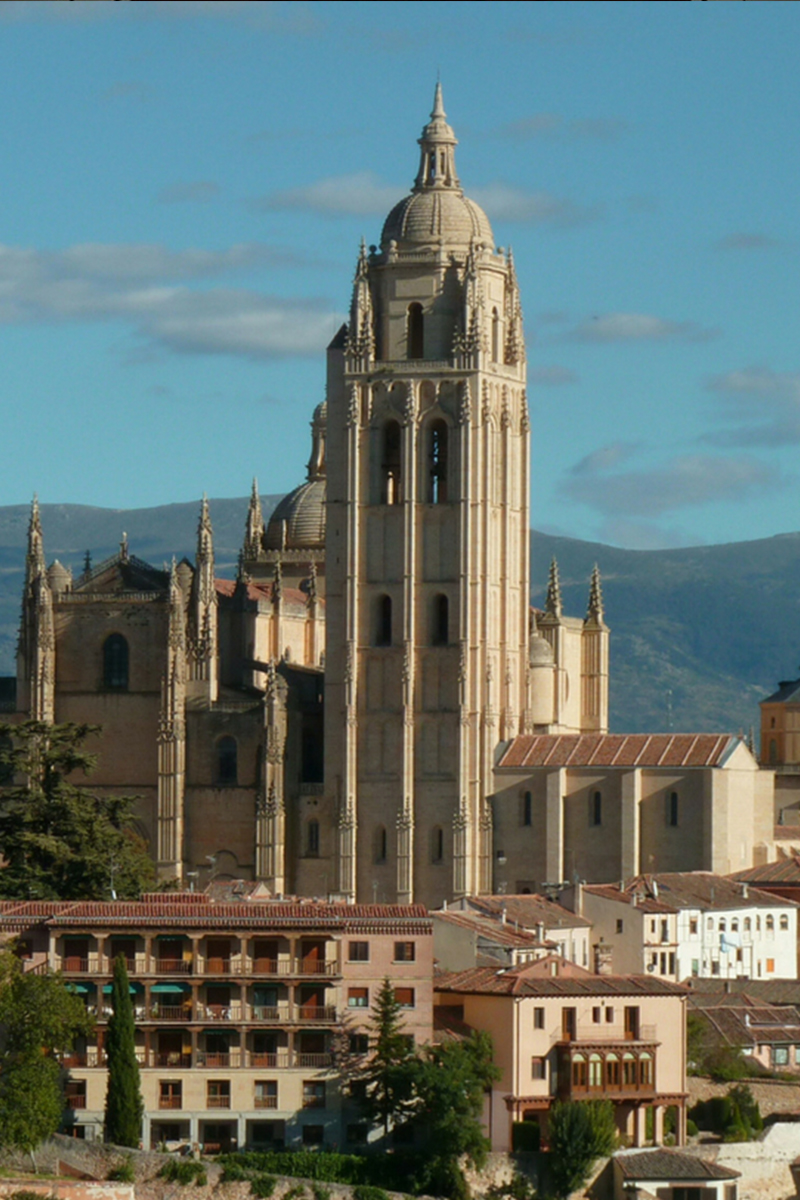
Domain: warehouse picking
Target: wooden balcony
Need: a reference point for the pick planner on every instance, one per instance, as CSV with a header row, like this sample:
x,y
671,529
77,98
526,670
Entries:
x,y
317,1013
218,1102
266,1102
171,1102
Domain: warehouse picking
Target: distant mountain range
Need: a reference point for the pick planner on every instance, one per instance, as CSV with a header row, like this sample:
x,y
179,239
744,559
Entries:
x,y
699,635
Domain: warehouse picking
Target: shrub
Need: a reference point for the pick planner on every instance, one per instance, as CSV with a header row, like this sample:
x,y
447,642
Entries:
x,y
580,1132
691,1129
294,1193
123,1173
263,1186
525,1135
321,1192
365,1191
184,1171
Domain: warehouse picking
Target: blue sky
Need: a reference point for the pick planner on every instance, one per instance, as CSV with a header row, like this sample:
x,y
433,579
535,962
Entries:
x,y
186,185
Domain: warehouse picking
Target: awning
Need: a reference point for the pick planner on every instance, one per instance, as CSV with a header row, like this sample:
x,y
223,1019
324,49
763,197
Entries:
x,y
170,987
81,988
109,988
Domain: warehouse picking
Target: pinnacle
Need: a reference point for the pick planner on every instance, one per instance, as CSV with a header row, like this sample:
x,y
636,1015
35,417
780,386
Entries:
x,y
595,595
438,103
553,602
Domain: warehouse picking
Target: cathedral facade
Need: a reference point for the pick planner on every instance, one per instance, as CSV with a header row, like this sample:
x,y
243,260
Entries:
x,y
331,721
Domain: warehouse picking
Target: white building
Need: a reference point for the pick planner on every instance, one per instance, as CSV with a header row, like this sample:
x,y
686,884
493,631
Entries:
x,y
692,923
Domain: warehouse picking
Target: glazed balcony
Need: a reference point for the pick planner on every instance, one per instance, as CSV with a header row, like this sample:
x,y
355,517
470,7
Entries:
x,y
612,1070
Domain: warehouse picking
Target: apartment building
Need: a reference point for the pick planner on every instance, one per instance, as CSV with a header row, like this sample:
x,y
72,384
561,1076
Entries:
x,y
248,1013
692,924
561,1033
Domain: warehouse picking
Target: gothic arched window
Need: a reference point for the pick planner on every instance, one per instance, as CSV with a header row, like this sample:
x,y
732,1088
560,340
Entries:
x,y
383,621
227,761
391,464
440,621
414,331
115,663
437,477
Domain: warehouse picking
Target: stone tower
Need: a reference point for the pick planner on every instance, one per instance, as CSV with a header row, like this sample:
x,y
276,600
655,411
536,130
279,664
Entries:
x,y
426,544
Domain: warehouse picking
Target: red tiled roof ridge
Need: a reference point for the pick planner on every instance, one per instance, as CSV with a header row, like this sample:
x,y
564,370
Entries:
x,y
617,749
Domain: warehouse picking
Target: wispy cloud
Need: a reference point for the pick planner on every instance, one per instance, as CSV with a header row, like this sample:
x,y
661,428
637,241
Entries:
x,y
555,125
644,535
148,286
764,405
277,17
503,202
686,481
605,458
639,327
551,376
198,191
747,241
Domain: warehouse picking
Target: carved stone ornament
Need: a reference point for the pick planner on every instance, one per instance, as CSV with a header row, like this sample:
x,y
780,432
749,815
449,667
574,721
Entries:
x,y
464,406
352,406
486,406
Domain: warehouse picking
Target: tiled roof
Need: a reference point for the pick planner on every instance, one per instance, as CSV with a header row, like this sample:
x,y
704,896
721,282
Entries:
x,y
535,979
528,911
198,911
785,870
449,1028
491,929
767,991
618,750
670,891
669,1164
787,833
741,1021
262,591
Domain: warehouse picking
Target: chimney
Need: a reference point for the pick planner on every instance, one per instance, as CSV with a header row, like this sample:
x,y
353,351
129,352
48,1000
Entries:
x,y
745,891
602,958
503,915
540,931
578,907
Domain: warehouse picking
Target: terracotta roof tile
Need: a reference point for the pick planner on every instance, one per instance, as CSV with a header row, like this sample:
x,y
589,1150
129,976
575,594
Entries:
x,y
525,981
669,1164
617,750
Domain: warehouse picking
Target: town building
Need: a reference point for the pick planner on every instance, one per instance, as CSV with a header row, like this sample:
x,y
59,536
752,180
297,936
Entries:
x,y
769,1034
671,1175
604,807
472,931
689,924
561,1033
249,1013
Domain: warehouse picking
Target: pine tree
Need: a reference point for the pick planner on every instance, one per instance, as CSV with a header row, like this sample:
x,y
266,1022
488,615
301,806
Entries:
x,y
388,1083
124,1106
61,841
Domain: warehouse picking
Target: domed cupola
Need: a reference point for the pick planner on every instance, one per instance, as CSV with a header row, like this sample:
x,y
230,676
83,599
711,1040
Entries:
x,y
437,212
298,522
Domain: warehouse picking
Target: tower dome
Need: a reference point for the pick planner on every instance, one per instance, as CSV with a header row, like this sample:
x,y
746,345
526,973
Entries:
x,y
298,522
437,211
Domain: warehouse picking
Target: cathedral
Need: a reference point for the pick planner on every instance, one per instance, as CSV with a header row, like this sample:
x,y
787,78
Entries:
x,y
332,721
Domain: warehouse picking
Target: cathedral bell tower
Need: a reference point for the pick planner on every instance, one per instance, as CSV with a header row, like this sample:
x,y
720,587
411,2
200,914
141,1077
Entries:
x,y
426,544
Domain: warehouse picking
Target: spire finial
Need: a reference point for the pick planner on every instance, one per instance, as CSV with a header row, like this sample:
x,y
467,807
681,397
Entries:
x,y
552,604
438,101
437,166
595,610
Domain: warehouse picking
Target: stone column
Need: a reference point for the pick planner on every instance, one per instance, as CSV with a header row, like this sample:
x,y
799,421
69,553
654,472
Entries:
x,y
556,787
630,798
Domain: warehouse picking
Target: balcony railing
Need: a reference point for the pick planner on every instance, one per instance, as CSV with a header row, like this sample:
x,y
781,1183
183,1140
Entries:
x,y
76,1102
172,966
605,1034
313,1060
72,965
266,1102
172,1102
220,1012
280,1060
218,1102
150,965
170,1012
169,1058
269,1012
315,1012
275,1061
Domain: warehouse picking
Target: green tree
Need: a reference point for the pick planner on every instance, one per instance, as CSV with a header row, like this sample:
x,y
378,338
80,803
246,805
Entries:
x,y
450,1082
39,1017
124,1105
579,1133
59,840
386,1085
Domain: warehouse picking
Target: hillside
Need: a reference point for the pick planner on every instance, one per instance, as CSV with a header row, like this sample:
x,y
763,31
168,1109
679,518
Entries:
x,y
700,633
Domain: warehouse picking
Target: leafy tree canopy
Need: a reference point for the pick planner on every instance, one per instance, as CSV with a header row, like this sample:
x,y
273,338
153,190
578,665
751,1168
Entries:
x,y
61,841
581,1131
387,1084
39,1016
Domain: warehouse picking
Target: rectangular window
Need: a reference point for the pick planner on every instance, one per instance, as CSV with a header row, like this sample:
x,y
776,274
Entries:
x,y
358,997
218,1093
596,1014
170,1093
538,1018
404,997
313,1135
770,966
358,952
313,1094
596,809
672,962
609,1016
693,926
780,1056
359,1043
266,1093
619,925
538,1068
404,951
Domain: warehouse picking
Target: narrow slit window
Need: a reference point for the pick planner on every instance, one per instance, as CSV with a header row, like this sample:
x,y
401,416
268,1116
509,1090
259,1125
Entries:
x,y
596,809
495,335
415,331
437,844
227,761
383,621
312,838
673,809
437,490
115,663
391,464
440,621
527,809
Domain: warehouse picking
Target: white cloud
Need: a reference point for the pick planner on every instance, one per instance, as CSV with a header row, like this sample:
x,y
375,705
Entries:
x,y
361,194
199,191
551,376
506,203
764,403
639,327
146,285
554,125
686,481
605,458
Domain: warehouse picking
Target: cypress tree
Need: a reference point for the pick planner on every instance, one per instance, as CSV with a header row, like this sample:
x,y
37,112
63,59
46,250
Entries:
x,y
124,1106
